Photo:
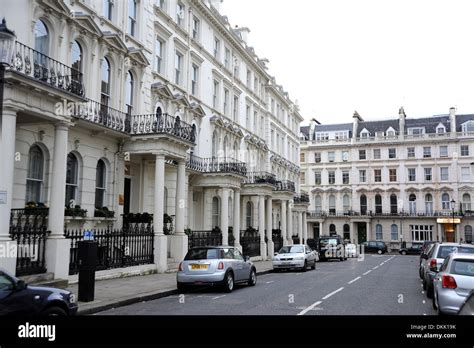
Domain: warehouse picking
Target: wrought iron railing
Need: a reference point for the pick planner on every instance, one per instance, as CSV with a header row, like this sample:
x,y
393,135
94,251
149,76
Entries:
x,y
116,248
285,185
216,165
45,69
250,242
302,198
28,227
103,115
437,213
162,124
204,239
260,178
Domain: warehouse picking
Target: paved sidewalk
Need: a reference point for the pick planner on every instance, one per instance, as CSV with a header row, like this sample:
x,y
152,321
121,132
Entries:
x,y
121,292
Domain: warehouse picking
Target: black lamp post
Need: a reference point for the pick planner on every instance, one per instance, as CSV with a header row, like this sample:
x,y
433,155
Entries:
x,y
7,42
453,206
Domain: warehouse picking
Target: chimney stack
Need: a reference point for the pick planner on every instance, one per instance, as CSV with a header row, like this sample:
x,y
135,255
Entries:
x,y
244,33
452,119
401,125
216,4
356,119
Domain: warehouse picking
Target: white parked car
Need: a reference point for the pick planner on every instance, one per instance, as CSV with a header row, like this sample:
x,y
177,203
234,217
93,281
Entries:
x,y
298,256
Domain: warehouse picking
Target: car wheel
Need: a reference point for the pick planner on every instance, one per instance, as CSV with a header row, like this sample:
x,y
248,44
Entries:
x,y
313,267
228,282
420,272
435,300
253,278
305,267
424,284
380,252
54,311
182,288
404,252
429,291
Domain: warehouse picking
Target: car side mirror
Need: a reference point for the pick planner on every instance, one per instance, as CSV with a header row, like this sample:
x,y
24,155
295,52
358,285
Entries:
x,y
275,254
20,285
424,257
247,258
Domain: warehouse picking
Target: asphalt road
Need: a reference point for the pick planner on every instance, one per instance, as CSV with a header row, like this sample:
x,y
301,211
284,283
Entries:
x,y
378,285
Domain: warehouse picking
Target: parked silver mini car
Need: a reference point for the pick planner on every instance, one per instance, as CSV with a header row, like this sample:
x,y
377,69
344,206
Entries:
x,y
298,256
223,266
453,283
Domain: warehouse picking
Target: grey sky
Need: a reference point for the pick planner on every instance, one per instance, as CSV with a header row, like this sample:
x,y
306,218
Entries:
x,y
373,56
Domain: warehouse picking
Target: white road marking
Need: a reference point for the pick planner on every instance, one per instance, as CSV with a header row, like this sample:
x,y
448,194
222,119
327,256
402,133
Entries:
x,y
332,293
367,272
304,311
271,281
375,267
218,297
354,280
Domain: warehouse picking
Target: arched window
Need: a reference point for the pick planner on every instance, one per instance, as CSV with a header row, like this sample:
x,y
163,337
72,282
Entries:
x,y
318,204
347,232
105,84
429,204
412,203
468,233
393,204
35,177
346,203
332,204
394,232
72,174
378,204
76,55
363,205
226,146
216,214
378,232
445,201
236,151
249,214
100,184
466,202
129,91
332,229
215,144
41,39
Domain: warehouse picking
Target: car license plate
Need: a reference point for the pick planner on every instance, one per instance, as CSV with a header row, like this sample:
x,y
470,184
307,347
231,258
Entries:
x,y
199,267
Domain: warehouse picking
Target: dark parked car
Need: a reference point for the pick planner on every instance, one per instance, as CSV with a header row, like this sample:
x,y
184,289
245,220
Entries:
x,y
18,298
415,249
375,247
331,247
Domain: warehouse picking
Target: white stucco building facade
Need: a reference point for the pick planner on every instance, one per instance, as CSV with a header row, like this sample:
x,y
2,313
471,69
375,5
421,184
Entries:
x,y
118,108
396,180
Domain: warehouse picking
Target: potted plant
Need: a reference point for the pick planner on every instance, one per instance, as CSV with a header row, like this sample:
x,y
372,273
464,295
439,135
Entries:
x,y
104,212
75,212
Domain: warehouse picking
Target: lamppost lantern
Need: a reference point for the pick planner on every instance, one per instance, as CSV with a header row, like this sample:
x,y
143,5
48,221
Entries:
x,y
7,42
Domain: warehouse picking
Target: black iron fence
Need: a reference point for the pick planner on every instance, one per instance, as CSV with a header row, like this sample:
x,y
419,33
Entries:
x,y
42,68
302,198
250,241
277,240
437,213
204,239
116,248
260,178
162,124
28,227
296,240
101,114
216,165
285,185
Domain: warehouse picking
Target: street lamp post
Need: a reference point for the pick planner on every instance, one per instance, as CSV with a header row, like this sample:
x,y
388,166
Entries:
x,y
7,42
453,206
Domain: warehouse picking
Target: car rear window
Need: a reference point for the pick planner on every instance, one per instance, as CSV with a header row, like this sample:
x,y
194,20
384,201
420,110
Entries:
x,y
324,242
463,267
291,250
446,250
202,254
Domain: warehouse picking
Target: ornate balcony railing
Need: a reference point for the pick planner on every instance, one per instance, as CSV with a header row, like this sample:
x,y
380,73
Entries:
x,y
438,213
162,124
216,165
103,115
260,178
301,199
285,185
45,69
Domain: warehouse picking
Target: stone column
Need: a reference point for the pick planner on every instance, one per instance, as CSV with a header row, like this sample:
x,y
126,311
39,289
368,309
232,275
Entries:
x,y
269,227
283,215
207,210
7,160
261,226
305,228
300,226
179,242
57,247
236,227
290,224
225,216
161,241
440,233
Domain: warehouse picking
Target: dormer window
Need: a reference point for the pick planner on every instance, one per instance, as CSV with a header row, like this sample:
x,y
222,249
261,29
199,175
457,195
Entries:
x,y
440,129
468,126
391,132
365,134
